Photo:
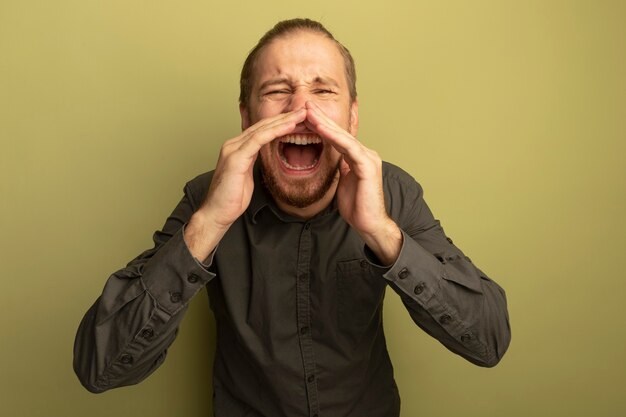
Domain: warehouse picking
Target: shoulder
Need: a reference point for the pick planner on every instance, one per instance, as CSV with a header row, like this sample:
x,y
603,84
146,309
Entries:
x,y
197,188
403,195
395,180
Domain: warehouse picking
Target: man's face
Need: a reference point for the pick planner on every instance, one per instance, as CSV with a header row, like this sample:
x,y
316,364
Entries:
x,y
300,168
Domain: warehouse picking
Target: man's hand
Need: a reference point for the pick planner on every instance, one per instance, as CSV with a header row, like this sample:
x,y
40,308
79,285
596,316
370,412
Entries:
x,y
232,184
360,197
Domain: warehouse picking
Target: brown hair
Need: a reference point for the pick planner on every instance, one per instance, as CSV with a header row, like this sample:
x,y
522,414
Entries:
x,y
283,28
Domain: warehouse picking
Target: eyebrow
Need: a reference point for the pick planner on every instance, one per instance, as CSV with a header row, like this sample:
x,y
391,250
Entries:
x,y
274,81
283,80
328,81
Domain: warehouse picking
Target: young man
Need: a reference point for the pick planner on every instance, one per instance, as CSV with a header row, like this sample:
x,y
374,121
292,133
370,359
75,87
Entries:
x,y
296,233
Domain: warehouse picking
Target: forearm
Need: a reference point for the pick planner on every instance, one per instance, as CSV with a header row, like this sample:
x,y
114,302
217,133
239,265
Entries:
x,y
125,334
453,301
122,350
386,243
202,235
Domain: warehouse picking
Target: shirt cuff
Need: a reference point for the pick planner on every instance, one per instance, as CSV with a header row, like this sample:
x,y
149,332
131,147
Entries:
x,y
173,276
416,272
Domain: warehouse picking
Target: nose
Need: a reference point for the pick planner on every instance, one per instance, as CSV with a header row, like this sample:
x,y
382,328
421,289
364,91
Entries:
x,y
298,99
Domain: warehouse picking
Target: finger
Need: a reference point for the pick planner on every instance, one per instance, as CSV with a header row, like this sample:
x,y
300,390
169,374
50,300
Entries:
x,y
270,121
252,143
362,160
294,117
343,141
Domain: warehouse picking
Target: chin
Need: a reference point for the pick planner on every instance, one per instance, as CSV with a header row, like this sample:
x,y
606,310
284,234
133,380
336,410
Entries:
x,y
303,185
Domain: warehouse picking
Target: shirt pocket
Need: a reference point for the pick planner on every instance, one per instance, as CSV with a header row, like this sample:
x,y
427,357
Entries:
x,y
360,293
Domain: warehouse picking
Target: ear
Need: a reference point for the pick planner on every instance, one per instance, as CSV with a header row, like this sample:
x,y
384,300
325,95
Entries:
x,y
354,117
245,117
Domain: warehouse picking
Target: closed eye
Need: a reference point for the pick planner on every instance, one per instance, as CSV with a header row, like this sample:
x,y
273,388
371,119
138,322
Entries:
x,y
274,92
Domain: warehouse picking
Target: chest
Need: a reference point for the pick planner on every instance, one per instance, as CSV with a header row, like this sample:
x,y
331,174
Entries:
x,y
268,273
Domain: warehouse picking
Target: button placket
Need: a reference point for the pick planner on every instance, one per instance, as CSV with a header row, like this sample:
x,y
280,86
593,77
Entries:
x,y
304,317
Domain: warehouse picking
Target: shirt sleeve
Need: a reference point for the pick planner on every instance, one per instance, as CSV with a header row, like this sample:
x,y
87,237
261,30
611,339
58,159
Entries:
x,y
444,292
125,335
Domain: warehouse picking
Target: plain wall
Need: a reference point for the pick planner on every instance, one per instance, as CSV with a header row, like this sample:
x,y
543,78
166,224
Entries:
x,y
511,114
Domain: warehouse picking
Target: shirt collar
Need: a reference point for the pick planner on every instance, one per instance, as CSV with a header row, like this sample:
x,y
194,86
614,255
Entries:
x,y
261,198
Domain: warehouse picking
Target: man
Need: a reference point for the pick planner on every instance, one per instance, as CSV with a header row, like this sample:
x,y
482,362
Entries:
x,y
296,233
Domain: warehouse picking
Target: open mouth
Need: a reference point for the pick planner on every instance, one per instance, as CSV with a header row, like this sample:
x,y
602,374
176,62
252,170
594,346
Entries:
x,y
300,152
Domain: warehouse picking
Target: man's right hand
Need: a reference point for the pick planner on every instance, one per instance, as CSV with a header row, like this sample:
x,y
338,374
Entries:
x,y
232,184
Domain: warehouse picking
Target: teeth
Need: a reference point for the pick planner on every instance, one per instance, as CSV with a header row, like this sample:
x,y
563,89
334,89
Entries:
x,y
288,165
301,139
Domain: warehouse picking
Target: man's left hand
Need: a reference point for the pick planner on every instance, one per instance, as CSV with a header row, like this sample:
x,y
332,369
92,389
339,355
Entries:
x,y
360,196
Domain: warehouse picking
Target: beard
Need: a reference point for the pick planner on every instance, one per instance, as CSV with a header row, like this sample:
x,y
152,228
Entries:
x,y
300,192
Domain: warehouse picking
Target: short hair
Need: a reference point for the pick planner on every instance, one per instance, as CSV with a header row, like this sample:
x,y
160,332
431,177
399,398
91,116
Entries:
x,y
284,28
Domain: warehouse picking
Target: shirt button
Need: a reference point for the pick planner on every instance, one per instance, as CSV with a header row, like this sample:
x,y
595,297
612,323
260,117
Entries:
x,y
403,273
311,378
126,359
192,279
304,330
307,226
147,333
419,288
445,319
175,297
363,263
466,337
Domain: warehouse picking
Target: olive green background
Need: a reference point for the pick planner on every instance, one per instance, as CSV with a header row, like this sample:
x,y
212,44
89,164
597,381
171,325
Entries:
x,y
511,114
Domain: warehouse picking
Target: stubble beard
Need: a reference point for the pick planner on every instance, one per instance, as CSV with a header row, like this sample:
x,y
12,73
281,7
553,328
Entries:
x,y
299,192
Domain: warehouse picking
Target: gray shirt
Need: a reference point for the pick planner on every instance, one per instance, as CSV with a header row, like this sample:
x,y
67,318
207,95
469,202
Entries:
x,y
298,307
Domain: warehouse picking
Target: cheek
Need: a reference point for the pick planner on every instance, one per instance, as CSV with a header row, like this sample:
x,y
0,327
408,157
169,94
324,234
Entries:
x,y
332,154
268,108
336,112
330,108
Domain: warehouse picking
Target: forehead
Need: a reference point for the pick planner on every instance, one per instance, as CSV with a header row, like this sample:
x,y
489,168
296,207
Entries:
x,y
301,56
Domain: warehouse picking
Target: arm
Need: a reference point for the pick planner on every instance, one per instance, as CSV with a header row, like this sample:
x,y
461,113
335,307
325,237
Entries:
x,y
445,294
125,335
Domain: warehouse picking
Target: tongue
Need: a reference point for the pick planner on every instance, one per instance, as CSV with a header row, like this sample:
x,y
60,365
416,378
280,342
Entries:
x,y
299,155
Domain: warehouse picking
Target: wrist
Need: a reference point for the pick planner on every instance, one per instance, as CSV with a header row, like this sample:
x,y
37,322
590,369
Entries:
x,y
202,234
385,242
